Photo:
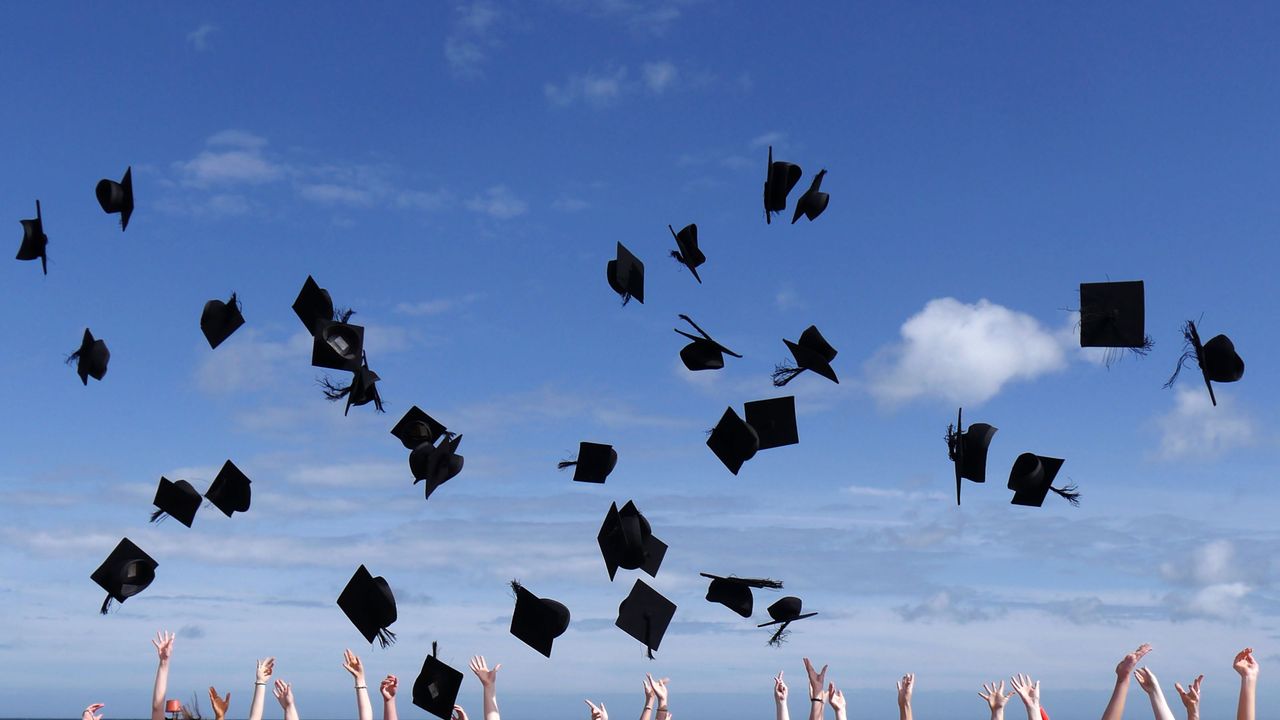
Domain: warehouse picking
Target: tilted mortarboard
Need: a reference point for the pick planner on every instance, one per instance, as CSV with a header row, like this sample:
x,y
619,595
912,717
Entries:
x,y
1031,479
687,252
34,241
1112,315
626,541
117,197
968,450
91,359
436,464
812,352
813,201
773,420
313,306
733,441
436,689
1217,359
176,499
735,592
126,572
219,319
779,179
626,275
416,427
785,611
537,621
594,462
370,605
230,491
645,615
703,353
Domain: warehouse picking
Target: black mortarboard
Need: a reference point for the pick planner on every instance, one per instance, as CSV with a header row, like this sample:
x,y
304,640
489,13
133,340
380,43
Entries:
x,y
735,592
436,689
812,352
416,428
362,390
369,604
626,275
230,491
785,611
774,421
1112,315
703,353
779,179
1217,359
626,541
91,359
436,465
733,441
687,251
338,346
34,241
537,621
645,614
595,462
813,201
126,572
117,197
219,319
1031,479
178,500
313,306
968,450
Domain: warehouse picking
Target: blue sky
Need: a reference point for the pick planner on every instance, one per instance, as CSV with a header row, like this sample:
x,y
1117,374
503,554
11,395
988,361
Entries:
x,y
459,173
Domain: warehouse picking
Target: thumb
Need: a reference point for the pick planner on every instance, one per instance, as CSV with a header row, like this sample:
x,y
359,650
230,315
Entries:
x,y
497,667
228,699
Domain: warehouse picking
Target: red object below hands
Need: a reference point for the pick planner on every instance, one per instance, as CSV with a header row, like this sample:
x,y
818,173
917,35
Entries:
x,y
1044,715
173,706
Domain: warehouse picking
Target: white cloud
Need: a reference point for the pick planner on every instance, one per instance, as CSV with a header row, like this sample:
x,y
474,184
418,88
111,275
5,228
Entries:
x,y
1194,428
658,76
436,307
199,38
946,605
248,362
424,199
332,193
566,203
235,157
236,138
644,17
893,493
466,49
1212,563
769,138
595,89
498,202
963,353
786,299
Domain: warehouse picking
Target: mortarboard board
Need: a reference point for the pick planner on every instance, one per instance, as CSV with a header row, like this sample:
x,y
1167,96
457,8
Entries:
x,y
313,306
1217,359
595,462
117,197
416,428
687,252
537,621
230,491
91,359
780,177
436,689
370,605
362,390
735,592
733,441
436,464
626,275
1112,315
774,421
813,201
338,346
176,499
812,352
644,615
626,541
1031,479
126,572
219,319
785,611
968,450
703,353
34,241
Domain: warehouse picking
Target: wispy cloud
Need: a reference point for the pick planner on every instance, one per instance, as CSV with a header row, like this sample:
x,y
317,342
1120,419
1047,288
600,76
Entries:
x,y
199,38
498,202
1193,428
467,47
950,606
658,76
438,306
595,88
643,17
230,157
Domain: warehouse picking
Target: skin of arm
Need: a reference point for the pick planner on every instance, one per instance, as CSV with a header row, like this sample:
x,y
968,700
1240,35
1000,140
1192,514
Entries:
x,y
660,694
996,698
1191,697
1247,666
649,697
352,665
488,679
780,697
905,686
1029,693
218,704
817,702
1124,670
260,679
1151,686
164,648
836,697
284,693
388,689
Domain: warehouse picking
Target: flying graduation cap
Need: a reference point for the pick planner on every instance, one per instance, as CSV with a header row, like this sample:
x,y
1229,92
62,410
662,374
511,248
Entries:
x,y
436,465
313,306
780,177
117,197
219,319
416,427
1031,479
702,353
1112,315
813,201
626,541
230,491
626,275
735,592
178,500
769,424
91,359
687,252
537,621
784,612
126,572
644,614
370,605
968,450
34,241
812,352
362,390
436,689
1217,359
594,462
733,441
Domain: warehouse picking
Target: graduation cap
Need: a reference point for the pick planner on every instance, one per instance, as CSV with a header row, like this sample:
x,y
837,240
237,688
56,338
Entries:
x,y
784,612
91,359
436,689
733,441
117,197
313,306
626,541
735,592
126,572
813,201
1217,359
1112,315
34,240
176,499
230,491
780,178
812,352
362,390
537,621
644,615
1031,479
703,353
338,345
595,462
436,464
370,606
416,427
219,319
968,450
774,421
687,252
626,276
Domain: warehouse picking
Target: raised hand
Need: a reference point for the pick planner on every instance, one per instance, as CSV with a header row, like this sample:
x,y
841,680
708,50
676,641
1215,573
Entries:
x,y
352,665
647,683
89,712
1027,690
1245,664
1190,697
164,645
284,693
597,712
779,688
905,686
388,689
486,676
994,695
266,666
219,704
660,690
459,713
1147,680
836,697
1129,662
816,680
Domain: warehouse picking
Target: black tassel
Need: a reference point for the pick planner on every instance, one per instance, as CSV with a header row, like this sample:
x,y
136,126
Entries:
x,y
1188,353
1069,493
953,442
158,516
679,258
648,630
73,357
759,583
626,298
433,648
343,315
516,587
333,391
386,637
783,374
780,636
106,605
235,303
566,463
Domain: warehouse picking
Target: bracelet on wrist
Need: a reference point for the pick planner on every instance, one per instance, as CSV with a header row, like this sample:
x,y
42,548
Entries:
x,y
362,687
259,683
814,699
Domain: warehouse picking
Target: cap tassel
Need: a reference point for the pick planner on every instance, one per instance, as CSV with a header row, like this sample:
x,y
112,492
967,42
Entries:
x,y
1069,493
1189,352
953,441
679,258
73,358
333,391
648,630
158,516
783,374
780,636
516,587
386,637
106,605
433,648
760,583
626,297
566,463
343,316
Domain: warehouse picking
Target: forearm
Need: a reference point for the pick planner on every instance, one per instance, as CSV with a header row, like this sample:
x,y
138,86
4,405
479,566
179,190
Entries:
x,y
255,706
647,712
161,688
904,711
997,713
816,709
783,712
1248,692
491,703
1115,707
363,706
389,710
291,712
1160,708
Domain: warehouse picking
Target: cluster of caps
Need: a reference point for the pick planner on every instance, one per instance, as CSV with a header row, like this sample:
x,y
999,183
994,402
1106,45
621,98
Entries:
x,y
433,450
337,345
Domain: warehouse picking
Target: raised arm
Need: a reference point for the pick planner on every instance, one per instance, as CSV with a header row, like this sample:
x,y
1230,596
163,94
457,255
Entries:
x,y
352,664
1247,666
996,698
388,690
1124,671
488,679
647,712
905,686
261,677
836,697
164,648
218,704
1191,697
1028,692
284,694
661,694
780,697
817,701
91,712
1151,686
